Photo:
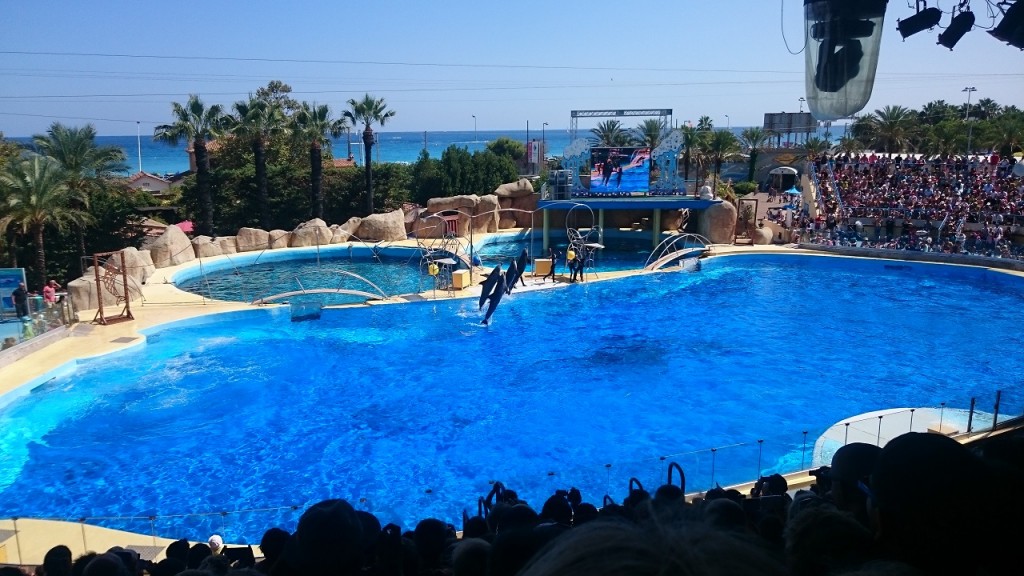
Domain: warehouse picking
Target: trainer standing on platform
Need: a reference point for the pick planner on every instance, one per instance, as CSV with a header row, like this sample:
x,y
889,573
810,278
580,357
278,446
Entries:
x,y
20,297
554,262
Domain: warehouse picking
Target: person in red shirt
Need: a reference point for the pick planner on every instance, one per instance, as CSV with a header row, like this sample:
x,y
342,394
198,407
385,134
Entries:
x,y
50,292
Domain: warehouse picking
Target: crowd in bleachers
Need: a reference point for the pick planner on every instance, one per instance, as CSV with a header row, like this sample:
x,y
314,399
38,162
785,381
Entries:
x,y
963,205
924,504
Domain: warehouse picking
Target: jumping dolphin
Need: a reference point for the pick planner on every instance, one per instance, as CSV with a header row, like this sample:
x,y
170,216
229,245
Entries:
x,y
488,285
495,297
520,267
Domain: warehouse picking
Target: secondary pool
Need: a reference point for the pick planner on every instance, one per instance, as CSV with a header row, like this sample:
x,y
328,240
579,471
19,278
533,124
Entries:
x,y
410,410
248,277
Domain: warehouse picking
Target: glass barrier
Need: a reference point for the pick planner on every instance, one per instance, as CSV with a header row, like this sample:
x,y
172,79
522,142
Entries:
x,y
703,469
42,317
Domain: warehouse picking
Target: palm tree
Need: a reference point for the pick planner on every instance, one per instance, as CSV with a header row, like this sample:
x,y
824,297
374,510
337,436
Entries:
x,y
368,111
815,147
721,146
705,124
863,129
936,111
754,140
650,133
194,122
258,121
36,195
848,145
894,127
85,165
610,133
946,137
313,125
691,144
986,109
1007,135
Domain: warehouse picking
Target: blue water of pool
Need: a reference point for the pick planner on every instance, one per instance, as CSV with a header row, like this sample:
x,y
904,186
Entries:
x,y
410,410
400,272
246,283
617,254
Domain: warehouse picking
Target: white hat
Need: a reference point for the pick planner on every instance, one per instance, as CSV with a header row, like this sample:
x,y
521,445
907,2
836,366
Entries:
x,y
216,542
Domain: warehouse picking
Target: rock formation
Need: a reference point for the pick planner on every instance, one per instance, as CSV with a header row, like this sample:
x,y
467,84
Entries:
x,y
388,227
171,248
251,239
718,223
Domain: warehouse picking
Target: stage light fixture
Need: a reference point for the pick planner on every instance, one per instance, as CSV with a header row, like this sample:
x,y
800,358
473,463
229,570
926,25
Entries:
x,y
1011,28
843,39
960,25
923,20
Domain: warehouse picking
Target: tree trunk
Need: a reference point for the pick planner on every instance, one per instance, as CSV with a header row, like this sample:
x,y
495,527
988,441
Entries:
x,y
37,235
205,226
753,163
368,147
12,248
316,175
80,230
259,152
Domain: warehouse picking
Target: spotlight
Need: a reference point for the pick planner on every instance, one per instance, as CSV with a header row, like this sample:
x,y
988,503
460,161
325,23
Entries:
x,y
1011,29
923,20
960,25
840,70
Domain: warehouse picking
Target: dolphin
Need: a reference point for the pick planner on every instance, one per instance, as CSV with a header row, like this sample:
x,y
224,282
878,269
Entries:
x,y
488,285
495,297
510,276
520,270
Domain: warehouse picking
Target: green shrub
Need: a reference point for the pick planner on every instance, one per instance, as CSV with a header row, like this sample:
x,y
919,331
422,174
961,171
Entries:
x,y
744,188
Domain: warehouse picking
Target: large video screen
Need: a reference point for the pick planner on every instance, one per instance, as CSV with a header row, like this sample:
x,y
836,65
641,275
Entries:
x,y
622,170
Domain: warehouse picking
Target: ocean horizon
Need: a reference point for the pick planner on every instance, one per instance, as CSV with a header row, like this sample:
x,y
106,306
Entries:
x,y
400,147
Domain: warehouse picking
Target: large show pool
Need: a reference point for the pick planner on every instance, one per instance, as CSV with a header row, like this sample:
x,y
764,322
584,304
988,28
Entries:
x,y
410,410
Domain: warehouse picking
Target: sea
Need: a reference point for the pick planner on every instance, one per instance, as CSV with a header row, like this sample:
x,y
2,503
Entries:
x,y
403,147
164,159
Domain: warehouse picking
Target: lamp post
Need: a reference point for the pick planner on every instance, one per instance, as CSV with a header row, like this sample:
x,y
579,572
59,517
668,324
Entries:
x,y
802,100
529,161
728,123
967,116
543,143
138,136
474,128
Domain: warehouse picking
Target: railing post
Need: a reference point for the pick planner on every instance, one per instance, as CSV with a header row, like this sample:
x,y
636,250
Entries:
x,y
911,420
942,413
714,451
846,434
878,438
995,411
760,446
970,415
803,453
17,540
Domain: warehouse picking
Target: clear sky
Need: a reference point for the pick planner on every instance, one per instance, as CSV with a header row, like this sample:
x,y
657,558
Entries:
x,y
438,63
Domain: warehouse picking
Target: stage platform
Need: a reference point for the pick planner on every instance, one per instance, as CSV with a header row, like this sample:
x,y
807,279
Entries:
x,y
628,203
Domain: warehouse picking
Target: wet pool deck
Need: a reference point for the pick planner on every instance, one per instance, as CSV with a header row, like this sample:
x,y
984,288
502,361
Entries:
x,y
25,541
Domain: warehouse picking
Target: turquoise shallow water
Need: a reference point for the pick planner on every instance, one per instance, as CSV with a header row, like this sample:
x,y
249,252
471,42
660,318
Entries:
x,y
409,411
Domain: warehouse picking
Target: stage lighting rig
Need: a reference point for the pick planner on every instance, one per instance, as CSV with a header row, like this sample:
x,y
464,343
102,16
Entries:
x,y
960,25
1011,28
843,38
923,20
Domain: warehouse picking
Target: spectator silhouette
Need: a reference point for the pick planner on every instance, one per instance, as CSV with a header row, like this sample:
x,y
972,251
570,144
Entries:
x,y
57,561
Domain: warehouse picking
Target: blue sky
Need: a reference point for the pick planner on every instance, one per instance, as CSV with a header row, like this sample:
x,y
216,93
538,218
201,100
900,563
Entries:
x,y
439,63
